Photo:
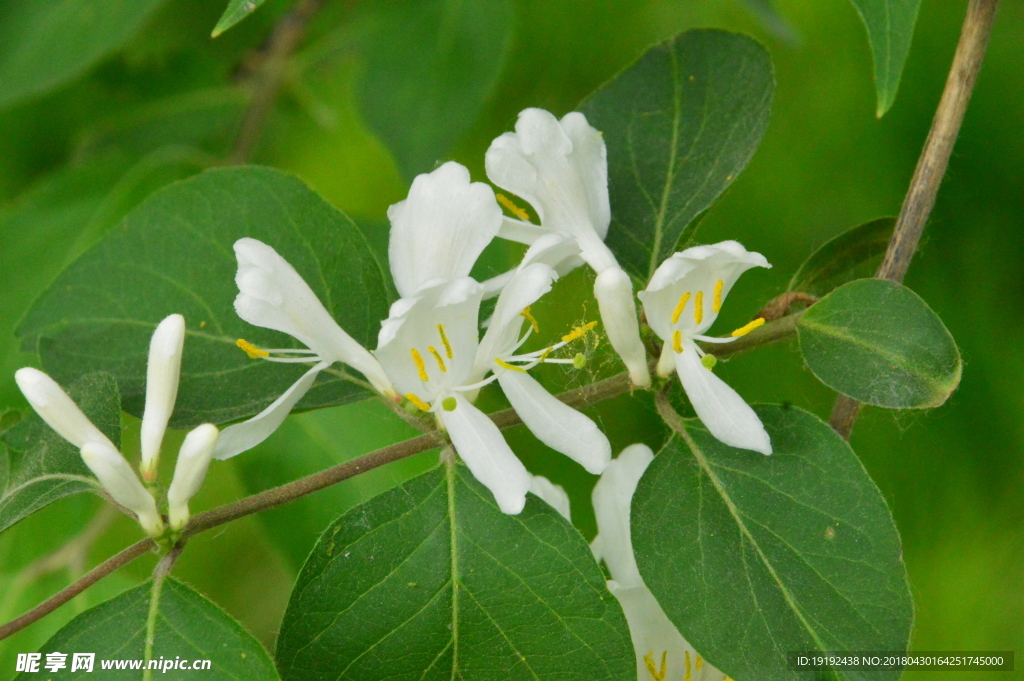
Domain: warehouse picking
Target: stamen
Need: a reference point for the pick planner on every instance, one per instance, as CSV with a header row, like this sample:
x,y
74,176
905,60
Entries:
x,y
420,366
689,671
444,339
677,340
700,663
512,208
251,350
529,318
578,332
437,356
683,299
744,330
423,406
656,674
505,365
664,664
698,307
717,304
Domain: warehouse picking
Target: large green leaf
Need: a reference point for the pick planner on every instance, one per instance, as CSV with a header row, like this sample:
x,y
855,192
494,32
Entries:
x,y
38,466
879,343
431,581
752,556
235,12
188,627
173,254
680,125
46,43
890,25
854,254
430,66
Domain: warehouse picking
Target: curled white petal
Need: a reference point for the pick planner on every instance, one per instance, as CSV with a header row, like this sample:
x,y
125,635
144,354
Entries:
x,y
612,498
614,292
720,408
121,483
247,434
551,493
555,423
482,446
58,410
162,375
190,472
524,289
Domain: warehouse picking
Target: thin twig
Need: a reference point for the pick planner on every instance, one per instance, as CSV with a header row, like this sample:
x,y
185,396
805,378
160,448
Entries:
x,y
931,166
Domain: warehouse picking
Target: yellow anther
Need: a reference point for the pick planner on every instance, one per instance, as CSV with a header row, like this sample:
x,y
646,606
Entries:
x,y
656,673
420,366
689,671
578,332
423,406
698,307
716,305
529,318
250,349
678,312
505,365
744,330
512,208
699,663
437,356
444,339
677,340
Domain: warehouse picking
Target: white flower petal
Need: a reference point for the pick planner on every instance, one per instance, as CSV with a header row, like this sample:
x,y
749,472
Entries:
x,y
614,292
162,374
482,446
189,472
520,230
720,408
590,159
523,290
612,498
439,231
58,410
554,495
555,423
121,483
245,435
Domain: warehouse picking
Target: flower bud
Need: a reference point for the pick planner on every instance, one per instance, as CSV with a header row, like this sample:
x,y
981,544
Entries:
x,y
161,389
614,293
58,410
190,472
118,478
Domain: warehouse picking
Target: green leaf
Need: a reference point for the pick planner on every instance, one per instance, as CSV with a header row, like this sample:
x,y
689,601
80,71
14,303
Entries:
x,y
46,43
188,627
879,343
173,254
430,66
680,125
890,25
235,12
752,556
431,581
854,254
38,466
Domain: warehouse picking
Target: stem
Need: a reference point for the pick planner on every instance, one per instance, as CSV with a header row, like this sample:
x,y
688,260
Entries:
x,y
931,166
163,568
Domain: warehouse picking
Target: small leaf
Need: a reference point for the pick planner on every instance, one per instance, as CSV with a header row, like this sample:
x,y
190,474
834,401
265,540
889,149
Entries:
x,y
45,43
854,254
680,125
431,581
430,66
879,343
38,466
890,25
235,12
189,628
173,254
752,556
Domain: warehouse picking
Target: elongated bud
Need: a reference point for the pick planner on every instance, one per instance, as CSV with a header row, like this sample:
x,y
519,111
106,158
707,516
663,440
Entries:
x,y
614,293
190,471
118,478
58,410
161,389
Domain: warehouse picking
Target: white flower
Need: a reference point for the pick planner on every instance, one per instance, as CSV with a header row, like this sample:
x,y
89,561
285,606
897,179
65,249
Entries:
x,y
273,295
554,495
561,169
101,456
662,654
682,302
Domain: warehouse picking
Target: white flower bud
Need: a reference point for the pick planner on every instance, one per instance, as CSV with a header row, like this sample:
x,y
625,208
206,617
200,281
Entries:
x,y
190,471
58,410
161,389
118,478
614,292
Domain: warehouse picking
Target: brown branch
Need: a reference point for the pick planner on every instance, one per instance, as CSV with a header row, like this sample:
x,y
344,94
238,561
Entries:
x,y
779,306
931,166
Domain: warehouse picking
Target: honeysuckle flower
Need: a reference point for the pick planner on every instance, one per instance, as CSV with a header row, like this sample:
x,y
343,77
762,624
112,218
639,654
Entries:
x,y
109,466
554,495
561,169
662,654
274,296
681,302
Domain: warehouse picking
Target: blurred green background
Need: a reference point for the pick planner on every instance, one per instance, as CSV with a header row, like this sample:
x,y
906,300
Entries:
x,y
167,104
